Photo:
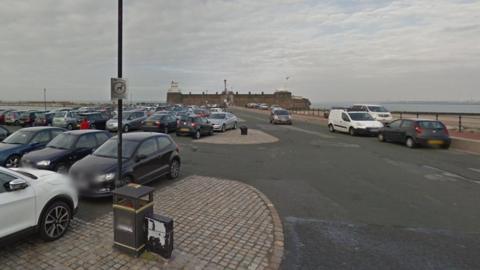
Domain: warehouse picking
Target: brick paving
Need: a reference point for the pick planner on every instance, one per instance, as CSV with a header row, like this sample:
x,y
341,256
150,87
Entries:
x,y
219,224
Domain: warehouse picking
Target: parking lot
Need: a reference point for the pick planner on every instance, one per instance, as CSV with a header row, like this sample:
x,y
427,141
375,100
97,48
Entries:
x,y
348,202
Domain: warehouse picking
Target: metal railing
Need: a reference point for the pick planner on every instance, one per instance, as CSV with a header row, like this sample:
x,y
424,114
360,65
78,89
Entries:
x,y
455,121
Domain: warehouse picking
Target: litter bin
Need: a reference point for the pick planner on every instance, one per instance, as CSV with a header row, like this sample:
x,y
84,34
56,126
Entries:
x,y
160,235
244,130
131,204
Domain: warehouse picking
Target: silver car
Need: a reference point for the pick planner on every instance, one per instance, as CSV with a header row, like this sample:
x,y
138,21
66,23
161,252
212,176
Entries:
x,y
222,121
65,119
130,120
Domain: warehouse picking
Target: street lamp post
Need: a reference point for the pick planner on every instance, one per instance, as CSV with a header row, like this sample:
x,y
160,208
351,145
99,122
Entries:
x,y
119,101
45,99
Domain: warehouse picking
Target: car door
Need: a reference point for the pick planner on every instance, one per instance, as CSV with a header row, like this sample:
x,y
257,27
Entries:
x,y
40,140
17,208
145,166
204,125
405,127
392,131
344,122
84,146
165,150
172,123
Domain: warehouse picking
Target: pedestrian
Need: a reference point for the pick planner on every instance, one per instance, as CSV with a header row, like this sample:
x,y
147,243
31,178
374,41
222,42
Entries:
x,y
84,124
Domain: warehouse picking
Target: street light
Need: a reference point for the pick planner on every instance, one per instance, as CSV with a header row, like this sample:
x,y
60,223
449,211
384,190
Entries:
x,y
120,101
45,99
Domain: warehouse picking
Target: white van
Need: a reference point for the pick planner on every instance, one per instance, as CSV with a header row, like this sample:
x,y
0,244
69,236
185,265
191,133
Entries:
x,y
353,122
378,112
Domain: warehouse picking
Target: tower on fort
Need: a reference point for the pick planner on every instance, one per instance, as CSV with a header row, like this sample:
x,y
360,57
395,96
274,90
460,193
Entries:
x,y
174,94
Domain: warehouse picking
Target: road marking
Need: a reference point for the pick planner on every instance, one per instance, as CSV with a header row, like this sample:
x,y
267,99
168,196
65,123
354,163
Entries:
x,y
310,132
474,169
448,175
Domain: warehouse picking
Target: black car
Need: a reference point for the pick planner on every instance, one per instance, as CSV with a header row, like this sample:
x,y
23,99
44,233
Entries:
x,y
165,123
4,133
43,118
65,149
194,126
96,120
416,132
146,157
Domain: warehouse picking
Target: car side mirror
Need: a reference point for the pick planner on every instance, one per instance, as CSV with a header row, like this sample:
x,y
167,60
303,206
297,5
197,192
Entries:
x,y
140,157
17,184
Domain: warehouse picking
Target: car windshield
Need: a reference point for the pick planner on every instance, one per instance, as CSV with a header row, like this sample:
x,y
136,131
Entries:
x,y
217,116
109,149
125,115
280,112
360,116
430,124
63,141
19,137
60,114
377,109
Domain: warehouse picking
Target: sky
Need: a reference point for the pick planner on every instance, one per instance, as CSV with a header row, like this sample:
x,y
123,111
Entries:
x,y
358,50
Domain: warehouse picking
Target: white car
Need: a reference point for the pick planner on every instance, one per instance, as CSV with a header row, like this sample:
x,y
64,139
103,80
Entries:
x,y
378,112
216,109
353,122
35,201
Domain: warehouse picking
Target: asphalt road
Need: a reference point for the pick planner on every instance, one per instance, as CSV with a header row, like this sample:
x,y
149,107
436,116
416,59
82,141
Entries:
x,y
351,202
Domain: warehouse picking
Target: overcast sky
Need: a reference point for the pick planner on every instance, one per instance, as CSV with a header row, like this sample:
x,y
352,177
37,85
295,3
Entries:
x,y
360,50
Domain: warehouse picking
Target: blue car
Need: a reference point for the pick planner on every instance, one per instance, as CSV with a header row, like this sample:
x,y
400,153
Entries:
x,y
23,141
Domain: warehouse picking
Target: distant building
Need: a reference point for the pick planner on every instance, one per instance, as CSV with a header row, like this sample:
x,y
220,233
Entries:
x,y
282,98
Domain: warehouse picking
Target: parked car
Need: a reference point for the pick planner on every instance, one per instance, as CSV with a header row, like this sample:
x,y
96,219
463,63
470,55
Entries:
x,y
280,116
27,119
130,120
23,141
96,120
65,149
215,109
377,112
4,133
35,201
65,119
194,126
201,113
222,121
263,106
165,123
147,156
416,132
43,118
353,123
13,118
3,113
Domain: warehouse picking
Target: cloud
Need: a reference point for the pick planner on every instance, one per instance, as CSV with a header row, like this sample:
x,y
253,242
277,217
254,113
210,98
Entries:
x,y
332,50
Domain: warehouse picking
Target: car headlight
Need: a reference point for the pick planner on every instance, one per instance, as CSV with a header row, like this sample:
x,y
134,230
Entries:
x,y
275,117
43,163
105,177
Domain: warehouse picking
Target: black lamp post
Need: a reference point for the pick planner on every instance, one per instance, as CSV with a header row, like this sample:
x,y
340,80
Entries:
x,y
120,101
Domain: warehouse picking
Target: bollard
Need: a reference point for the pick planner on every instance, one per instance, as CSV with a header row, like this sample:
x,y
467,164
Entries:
x,y
243,130
460,123
436,116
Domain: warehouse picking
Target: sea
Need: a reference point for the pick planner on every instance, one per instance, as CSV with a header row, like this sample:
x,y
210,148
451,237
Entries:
x,y
441,107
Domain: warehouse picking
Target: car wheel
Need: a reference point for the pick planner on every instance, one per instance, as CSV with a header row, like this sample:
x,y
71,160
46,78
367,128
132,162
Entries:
x,y
55,221
69,126
197,135
62,168
331,128
410,143
178,134
126,128
12,161
165,130
352,131
174,171
381,137
224,128
235,125
445,146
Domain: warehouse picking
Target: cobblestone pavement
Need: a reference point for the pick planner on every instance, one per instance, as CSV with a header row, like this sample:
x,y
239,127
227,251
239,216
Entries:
x,y
219,224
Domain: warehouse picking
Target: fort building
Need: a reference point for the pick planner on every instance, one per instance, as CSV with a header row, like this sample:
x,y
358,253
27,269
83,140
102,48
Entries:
x,y
282,98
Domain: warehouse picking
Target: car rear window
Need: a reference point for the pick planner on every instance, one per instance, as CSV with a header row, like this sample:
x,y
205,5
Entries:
x,y
430,124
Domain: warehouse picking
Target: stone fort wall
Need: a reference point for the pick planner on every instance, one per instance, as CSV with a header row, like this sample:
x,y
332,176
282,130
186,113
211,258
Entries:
x,y
281,98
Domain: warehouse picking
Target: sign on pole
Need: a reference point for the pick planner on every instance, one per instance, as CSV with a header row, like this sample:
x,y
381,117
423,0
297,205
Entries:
x,y
118,88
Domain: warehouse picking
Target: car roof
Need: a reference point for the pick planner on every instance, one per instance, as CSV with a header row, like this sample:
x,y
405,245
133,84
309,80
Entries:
x,y
39,128
84,131
140,136
88,113
376,105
